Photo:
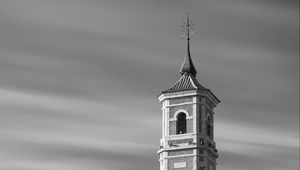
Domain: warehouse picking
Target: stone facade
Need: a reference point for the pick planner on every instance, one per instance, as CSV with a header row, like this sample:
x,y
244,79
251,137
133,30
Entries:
x,y
195,149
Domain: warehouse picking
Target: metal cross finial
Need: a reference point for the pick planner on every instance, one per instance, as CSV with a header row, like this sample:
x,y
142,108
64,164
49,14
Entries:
x,y
187,27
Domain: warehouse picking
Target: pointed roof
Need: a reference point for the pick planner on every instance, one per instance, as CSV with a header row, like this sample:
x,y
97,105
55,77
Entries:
x,y
188,66
186,82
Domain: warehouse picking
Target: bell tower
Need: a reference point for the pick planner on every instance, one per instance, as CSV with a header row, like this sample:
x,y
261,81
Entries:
x,y
187,141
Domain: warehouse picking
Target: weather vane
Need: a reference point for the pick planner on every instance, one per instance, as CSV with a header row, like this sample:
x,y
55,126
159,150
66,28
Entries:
x,y
187,27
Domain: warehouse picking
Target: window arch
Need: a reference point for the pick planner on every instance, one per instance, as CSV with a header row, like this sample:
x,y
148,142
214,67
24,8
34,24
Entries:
x,y
181,123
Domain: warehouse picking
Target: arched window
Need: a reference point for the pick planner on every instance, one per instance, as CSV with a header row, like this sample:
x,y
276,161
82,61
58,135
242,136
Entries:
x,y
208,119
181,123
209,127
209,130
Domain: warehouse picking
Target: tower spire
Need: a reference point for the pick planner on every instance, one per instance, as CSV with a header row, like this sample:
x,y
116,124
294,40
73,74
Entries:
x,y
188,66
187,140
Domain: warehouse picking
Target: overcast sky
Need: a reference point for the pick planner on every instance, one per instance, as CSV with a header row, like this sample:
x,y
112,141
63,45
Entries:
x,y
79,80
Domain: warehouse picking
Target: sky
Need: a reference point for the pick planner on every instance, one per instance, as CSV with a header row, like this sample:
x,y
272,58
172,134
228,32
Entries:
x,y
79,81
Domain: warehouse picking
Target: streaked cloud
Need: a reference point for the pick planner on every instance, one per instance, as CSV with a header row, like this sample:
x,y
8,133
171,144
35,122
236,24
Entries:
x,y
78,81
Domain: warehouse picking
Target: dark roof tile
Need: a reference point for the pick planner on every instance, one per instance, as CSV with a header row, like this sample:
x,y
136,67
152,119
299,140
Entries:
x,y
187,82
